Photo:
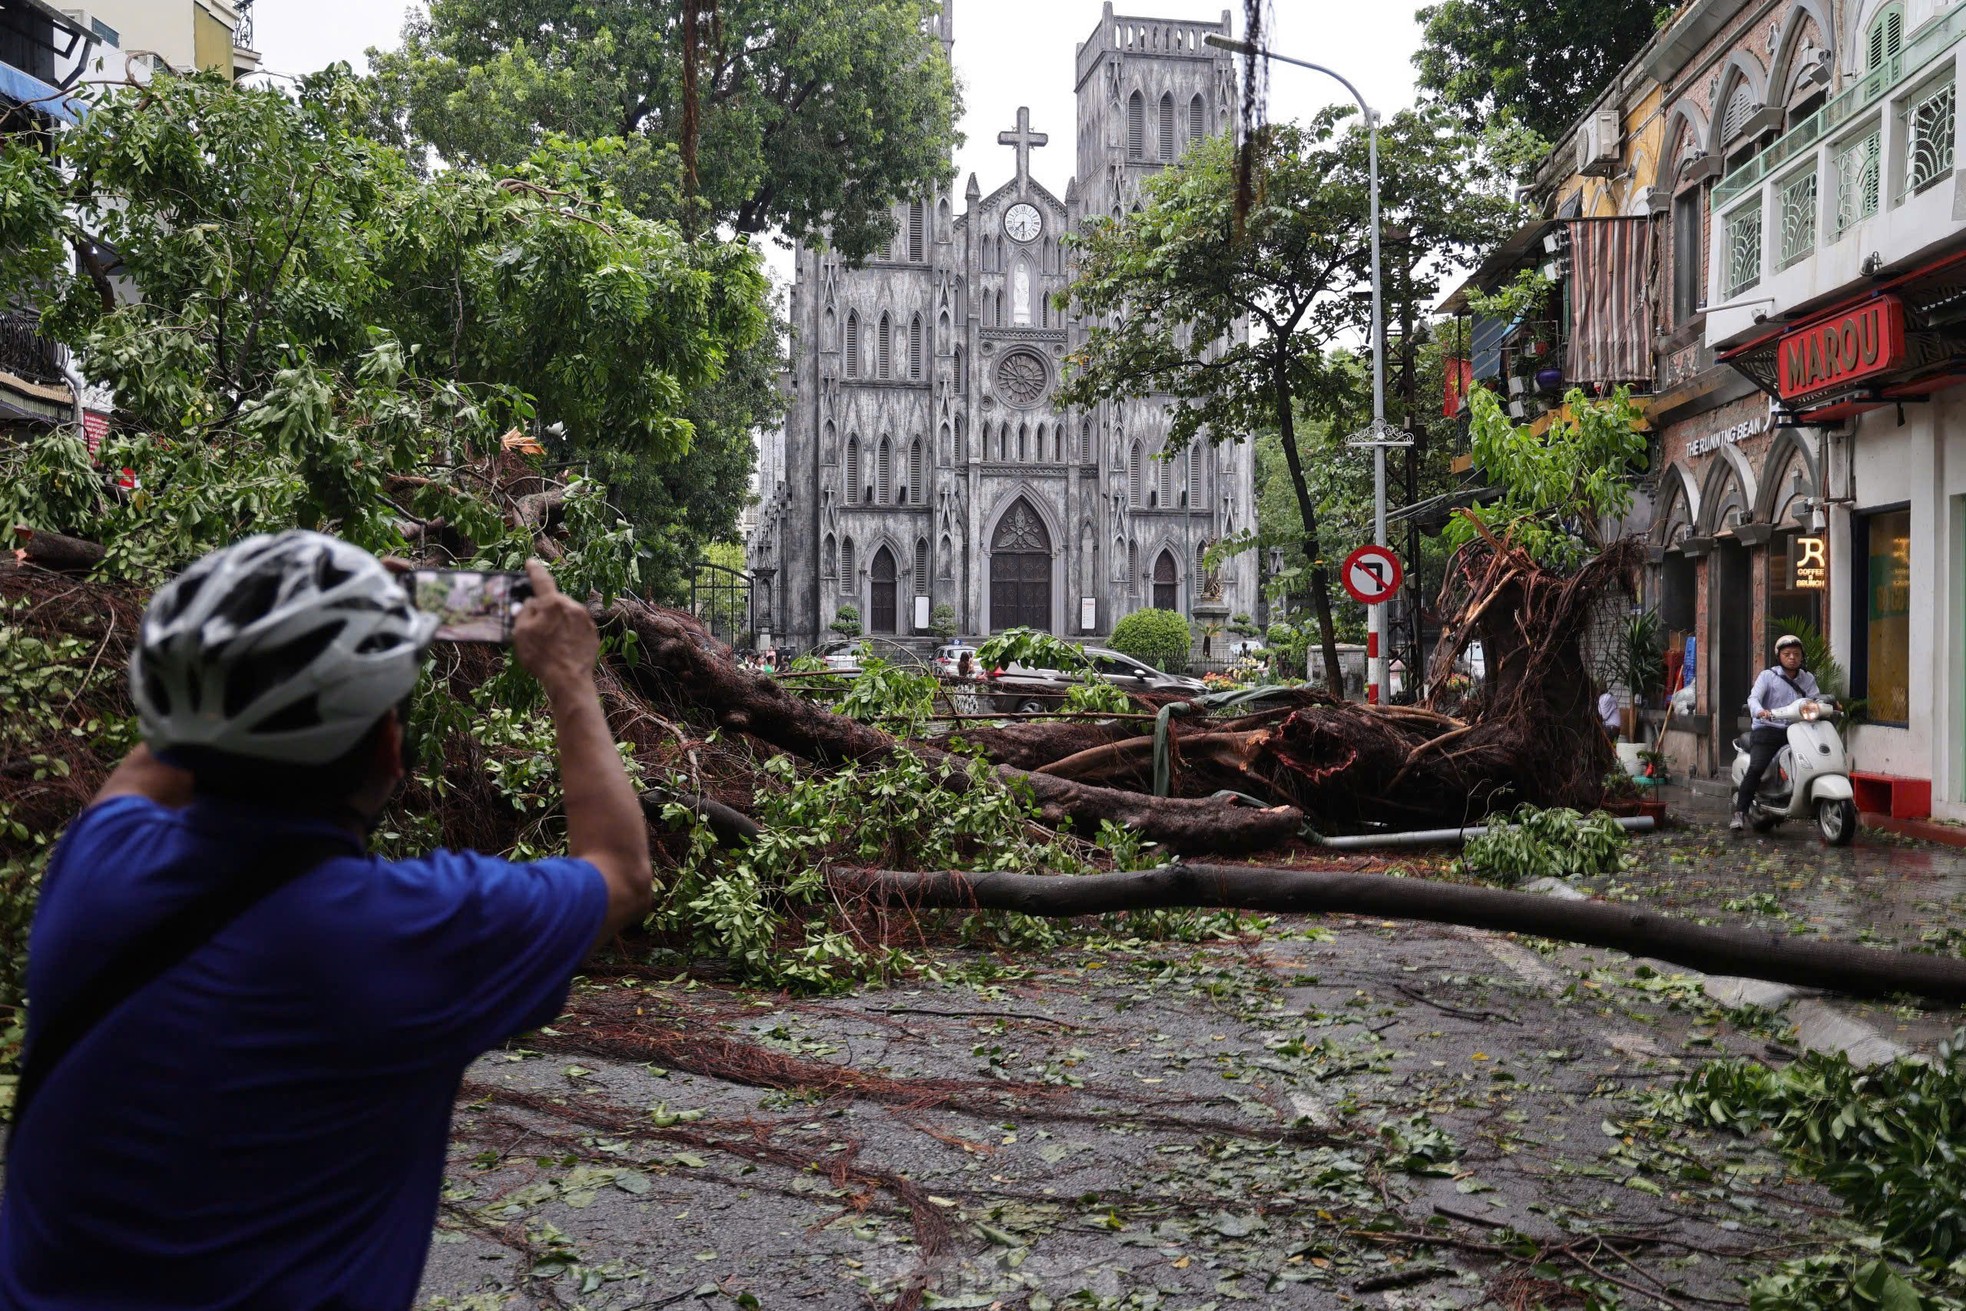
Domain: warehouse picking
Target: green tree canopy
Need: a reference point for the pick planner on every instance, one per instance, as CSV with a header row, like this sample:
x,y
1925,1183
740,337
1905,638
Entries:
x,y
298,329
1538,62
813,115
1560,485
1238,327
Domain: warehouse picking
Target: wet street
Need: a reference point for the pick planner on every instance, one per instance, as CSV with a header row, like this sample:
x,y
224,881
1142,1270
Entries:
x,y
1329,1113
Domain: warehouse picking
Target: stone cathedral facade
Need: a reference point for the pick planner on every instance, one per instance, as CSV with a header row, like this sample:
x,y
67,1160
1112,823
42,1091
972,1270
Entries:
x,y
924,460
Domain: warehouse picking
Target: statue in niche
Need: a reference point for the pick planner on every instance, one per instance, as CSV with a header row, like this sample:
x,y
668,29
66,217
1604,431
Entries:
x,y
1020,313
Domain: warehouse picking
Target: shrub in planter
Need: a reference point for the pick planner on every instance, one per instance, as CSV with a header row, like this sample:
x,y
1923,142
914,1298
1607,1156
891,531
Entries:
x,y
1160,638
847,622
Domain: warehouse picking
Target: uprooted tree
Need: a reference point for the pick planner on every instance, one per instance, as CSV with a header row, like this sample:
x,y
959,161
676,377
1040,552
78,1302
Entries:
x,y
313,400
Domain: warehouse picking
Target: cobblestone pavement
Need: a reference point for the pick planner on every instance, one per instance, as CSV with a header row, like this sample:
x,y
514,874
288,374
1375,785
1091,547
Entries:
x,y
1331,1113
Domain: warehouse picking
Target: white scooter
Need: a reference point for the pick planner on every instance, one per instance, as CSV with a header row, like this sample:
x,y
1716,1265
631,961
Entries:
x,y
1810,774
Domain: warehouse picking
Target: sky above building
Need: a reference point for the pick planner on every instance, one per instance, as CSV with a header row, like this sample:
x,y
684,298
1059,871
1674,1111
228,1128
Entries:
x,y
1008,53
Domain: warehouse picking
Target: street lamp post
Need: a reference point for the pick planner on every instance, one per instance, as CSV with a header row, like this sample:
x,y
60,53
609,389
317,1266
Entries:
x,y
1379,435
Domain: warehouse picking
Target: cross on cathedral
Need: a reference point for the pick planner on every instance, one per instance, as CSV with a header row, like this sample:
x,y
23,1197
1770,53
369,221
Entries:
x,y
1025,141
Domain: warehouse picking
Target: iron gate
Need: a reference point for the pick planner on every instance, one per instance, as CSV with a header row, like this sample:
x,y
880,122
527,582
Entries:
x,y
720,597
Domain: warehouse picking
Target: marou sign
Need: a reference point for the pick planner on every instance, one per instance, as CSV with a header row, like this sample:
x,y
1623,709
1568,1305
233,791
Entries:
x,y
1844,347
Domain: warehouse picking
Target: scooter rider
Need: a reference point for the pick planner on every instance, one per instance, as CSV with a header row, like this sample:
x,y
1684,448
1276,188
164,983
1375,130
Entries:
x,y
1786,683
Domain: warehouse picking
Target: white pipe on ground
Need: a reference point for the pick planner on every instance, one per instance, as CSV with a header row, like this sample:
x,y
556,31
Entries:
x,y
1434,837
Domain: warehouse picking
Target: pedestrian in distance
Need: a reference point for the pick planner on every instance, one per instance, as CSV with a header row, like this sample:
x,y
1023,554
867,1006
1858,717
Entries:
x,y
1782,684
1607,713
248,1030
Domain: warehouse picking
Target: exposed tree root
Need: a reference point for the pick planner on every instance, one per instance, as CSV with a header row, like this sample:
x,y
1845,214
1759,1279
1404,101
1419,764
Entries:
x,y
676,652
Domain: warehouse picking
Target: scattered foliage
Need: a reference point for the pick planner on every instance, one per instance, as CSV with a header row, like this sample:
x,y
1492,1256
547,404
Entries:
x,y
1884,1139
1530,844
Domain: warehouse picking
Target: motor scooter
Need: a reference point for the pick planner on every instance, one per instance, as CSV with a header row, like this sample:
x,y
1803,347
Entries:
x,y
1811,775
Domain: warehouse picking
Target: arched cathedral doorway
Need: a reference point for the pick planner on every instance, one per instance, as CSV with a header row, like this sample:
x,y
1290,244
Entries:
x,y
881,597
1020,572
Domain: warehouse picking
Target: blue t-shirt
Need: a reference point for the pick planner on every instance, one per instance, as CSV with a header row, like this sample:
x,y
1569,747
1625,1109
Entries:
x,y
265,1124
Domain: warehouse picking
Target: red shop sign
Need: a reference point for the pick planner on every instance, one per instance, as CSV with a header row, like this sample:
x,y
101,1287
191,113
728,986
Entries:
x,y
1844,347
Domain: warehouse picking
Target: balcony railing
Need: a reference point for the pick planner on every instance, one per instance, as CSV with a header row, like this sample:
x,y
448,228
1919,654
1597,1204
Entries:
x,y
1937,37
24,352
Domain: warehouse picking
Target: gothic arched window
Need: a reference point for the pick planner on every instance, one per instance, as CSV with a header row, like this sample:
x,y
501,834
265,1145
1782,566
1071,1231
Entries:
x,y
1167,126
884,348
1134,492
1194,496
921,566
884,475
948,555
1136,126
1132,565
852,348
915,349
915,471
962,441
1085,444
846,564
1023,440
1167,582
829,558
962,372
917,221
1197,119
853,471
1166,478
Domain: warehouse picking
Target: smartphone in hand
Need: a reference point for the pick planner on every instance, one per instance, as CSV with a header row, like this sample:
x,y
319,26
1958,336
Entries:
x,y
470,605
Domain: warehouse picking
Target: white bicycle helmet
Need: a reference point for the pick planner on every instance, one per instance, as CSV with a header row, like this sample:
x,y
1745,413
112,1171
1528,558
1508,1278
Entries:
x,y
283,648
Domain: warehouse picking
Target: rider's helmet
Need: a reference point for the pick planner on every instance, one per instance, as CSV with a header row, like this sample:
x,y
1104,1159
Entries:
x,y
1787,640
286,649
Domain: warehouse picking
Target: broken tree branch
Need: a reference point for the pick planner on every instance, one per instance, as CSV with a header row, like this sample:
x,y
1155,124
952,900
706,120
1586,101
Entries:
x,y
1778,957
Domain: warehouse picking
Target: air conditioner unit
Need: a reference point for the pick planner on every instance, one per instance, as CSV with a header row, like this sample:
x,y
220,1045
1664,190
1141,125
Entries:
x,y
1600,143
1517,410
1518,386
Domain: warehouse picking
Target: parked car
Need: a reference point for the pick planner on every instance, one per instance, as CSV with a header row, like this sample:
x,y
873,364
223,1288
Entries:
x,y
948,659
1122,671
842,655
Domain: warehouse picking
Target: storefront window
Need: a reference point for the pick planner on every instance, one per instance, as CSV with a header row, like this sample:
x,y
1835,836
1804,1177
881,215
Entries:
x,y
1798,580
1883,636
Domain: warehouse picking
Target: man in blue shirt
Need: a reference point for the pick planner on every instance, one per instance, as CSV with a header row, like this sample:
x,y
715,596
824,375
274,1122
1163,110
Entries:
x,y
263,1124
1777,688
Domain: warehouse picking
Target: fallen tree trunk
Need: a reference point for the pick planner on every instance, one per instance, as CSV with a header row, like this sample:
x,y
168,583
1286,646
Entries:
x,y
1834,966
677,655
56,552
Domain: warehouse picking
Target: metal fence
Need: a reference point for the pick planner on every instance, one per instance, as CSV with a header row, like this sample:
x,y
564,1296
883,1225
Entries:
x,y
24,352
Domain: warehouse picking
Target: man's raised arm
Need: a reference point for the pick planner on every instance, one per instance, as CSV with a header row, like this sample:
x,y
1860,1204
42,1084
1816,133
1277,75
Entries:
x,y
555,639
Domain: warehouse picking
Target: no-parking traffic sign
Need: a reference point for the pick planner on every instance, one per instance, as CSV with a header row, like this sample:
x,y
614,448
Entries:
x,y
1372,574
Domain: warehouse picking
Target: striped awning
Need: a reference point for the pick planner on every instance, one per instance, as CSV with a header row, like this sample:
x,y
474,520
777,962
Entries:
x,y
1610,310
